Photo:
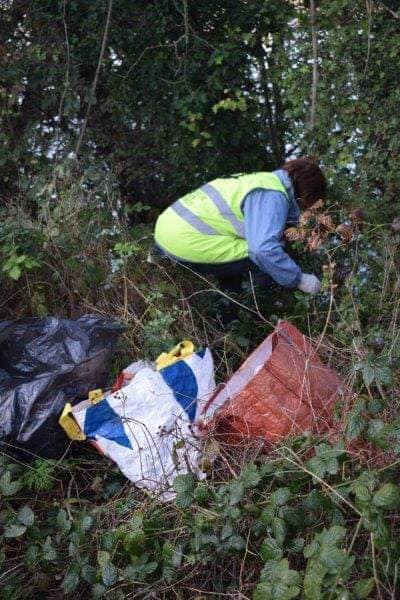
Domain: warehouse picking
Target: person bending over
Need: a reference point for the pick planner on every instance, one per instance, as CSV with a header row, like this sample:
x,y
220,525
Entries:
x,y
234,225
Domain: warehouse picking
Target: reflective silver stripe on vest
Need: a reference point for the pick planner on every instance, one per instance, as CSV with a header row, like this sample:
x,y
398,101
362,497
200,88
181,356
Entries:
x,y
192,219
224,208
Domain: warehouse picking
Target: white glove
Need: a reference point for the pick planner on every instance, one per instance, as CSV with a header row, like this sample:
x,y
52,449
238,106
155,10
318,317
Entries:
x,y
310,284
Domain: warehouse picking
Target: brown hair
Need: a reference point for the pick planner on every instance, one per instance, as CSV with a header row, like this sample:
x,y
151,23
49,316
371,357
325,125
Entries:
x,y
308,180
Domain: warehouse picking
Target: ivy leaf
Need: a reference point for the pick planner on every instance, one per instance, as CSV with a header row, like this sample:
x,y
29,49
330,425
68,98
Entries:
x,y
109,574
8,487
236,491
184,499
332,466
267,515
227,531
184,483
270,550
326,451
388,496
70,582
62,521
31,555
108,540
49,552
315,573
201,494
280,496
355,423
14,271
98,591
86,523
279,530
363,588
296,545
89,574
368,374
13,531
250,476
26,515
102,557
375,406
332,558
317,466
333,535
277,582
362,493
236,542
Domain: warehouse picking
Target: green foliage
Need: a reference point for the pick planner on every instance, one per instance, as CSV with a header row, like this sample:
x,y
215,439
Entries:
x,y
325,460
195,72
388,496
184,486
326,562
375,370
39,476
15,265
277,582
262,517
7,486
363,588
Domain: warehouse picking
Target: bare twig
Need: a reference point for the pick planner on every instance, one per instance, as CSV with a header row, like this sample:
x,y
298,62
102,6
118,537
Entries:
x,y
171,45
66,82
368,4
374,569
315,74
96,78
220,292
329,313
186,22
268,108
6,573
394,14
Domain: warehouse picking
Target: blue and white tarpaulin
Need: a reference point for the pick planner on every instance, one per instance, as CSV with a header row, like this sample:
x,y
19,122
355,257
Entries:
x,y
147,426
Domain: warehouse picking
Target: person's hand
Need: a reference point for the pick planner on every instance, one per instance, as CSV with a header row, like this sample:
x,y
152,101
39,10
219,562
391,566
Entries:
x,y
310,284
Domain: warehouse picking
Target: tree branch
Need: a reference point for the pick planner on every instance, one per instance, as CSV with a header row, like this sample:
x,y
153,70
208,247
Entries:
x,y
315,65
264,82
96,78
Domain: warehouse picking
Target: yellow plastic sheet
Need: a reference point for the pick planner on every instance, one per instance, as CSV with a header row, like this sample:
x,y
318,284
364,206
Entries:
x,y
69,424
179,352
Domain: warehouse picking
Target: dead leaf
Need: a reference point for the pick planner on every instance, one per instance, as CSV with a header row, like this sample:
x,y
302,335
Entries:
x,y
345,232
314,242
326,222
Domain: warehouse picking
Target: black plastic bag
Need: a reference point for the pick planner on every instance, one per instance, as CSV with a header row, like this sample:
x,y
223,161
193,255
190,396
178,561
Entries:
x,y
44,363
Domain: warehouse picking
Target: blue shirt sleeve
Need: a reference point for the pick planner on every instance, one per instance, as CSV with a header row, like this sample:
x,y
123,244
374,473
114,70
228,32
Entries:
x,y
265,217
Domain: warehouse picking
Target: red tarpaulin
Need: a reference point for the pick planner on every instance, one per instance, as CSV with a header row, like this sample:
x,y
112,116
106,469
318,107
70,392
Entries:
x,y
283,389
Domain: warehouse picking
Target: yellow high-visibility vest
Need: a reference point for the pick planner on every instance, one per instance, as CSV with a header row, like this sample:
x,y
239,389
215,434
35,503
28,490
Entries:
x,y
207,225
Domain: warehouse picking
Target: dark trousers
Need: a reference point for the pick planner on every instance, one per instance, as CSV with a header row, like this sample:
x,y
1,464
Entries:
x,y
229,275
